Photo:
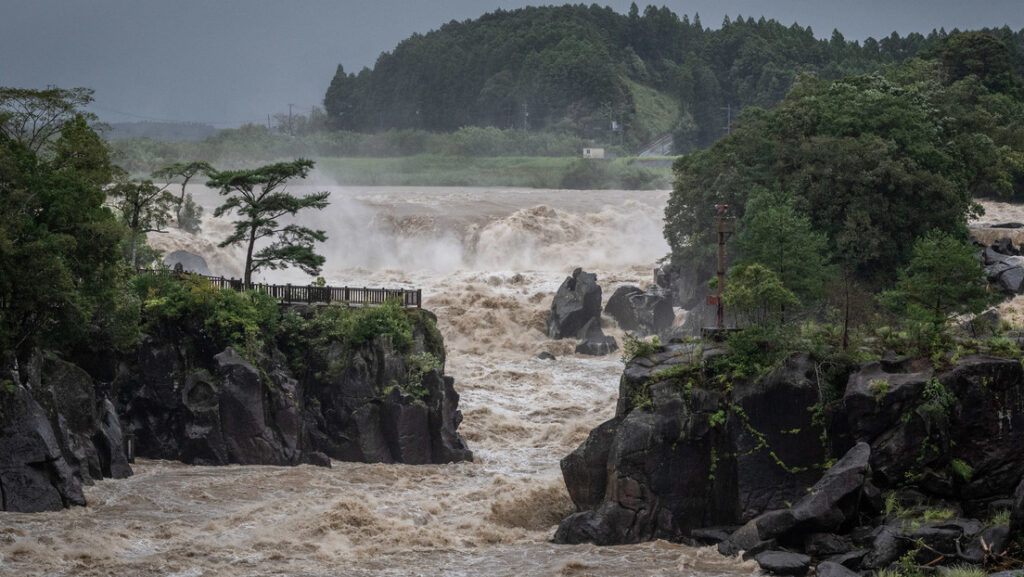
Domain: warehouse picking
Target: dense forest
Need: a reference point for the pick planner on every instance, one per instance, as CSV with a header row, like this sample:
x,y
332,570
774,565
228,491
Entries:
x,y
598,74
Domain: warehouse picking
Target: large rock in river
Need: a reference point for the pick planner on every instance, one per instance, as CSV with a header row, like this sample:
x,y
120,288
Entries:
x,y
576,303
644,313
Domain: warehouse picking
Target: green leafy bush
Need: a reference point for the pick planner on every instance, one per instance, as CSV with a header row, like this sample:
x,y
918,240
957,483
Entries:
x,y
633,347
224,316
755,350
419,365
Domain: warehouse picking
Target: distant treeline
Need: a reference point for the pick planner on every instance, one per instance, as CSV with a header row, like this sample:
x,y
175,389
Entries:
x,y
584,70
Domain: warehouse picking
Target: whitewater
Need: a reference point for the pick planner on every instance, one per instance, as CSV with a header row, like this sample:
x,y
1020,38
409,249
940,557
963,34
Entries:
x,y
489,261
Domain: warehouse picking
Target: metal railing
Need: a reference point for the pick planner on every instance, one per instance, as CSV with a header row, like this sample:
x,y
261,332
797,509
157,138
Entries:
x,y
311,294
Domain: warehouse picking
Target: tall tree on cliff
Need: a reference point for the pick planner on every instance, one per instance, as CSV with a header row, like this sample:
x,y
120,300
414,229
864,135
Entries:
x,y
186,212
259,197
61,272
143,207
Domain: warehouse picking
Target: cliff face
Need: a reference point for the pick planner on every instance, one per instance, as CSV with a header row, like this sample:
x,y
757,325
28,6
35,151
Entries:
x,y
184,400
59,431
684,454
355,403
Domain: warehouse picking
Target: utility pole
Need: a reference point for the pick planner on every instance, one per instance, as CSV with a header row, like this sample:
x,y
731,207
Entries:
x,y
291,131
725,227
728,118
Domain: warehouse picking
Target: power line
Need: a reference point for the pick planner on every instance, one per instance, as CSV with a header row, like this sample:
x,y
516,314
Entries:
x,y
174,120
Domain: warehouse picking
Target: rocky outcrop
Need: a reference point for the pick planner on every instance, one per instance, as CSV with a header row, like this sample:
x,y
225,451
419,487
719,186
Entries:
x,y
354,404
212,411
683,458
182,399
1004,266
577,302
576,313
361,413
57,435
687,286
641,312
593,341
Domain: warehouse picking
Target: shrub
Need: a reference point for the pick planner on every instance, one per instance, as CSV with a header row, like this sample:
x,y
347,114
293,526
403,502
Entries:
x,y
755,350
419,365
633,347
962,469
389,318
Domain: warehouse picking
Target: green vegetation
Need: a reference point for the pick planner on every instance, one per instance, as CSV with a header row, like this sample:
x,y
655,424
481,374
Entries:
x,y
259,197
543,167
943,278
419,364
1000,518
828,190
633,347
879,388
192,306
62,274
576,69
143,207
186,212
962,470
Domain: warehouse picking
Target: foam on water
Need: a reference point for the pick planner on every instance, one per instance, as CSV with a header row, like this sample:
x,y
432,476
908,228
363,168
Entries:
x,y
489,262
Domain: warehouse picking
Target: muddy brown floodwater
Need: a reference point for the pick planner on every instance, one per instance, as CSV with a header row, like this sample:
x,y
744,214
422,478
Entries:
x,y
489,262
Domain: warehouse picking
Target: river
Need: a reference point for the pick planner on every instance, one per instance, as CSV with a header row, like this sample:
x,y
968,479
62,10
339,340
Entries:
x,y
488,261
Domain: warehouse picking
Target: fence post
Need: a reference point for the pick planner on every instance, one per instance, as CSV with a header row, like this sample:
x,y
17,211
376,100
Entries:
x,y
419,298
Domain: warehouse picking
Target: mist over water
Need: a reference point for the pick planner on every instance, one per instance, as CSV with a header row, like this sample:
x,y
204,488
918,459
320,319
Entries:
x,y
488,262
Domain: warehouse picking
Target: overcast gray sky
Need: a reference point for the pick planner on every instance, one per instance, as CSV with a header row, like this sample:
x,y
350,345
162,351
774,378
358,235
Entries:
x,y
226,62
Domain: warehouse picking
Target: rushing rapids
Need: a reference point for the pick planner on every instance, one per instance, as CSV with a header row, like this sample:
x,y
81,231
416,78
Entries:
x,y
489,262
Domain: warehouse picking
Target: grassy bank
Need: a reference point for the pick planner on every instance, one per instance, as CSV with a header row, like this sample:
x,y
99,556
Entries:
x,y
515,171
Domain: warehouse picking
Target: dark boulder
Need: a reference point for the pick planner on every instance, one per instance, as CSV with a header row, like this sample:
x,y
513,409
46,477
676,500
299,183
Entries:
x,y
660,448
1017,512
827,544
888,544
447,445
248,425
1011,280
1004,245
225,410
832,502
34,475
644,313
833,569
576,303
783,562
688,285
585,469
110,444
369,410
774,434
593,340
546,356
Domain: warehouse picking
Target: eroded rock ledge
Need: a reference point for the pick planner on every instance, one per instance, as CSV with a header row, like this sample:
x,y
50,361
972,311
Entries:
x,y
892,458
183,400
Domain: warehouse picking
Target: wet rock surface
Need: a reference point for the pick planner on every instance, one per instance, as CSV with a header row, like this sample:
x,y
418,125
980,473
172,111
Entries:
x,y
180,400
906,460
577,302
641,312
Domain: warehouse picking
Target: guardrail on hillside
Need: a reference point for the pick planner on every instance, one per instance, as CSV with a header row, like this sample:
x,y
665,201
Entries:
x,y
289,294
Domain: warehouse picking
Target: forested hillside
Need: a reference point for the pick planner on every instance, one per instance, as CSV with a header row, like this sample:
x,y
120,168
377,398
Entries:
x,y
587,70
